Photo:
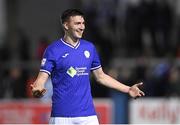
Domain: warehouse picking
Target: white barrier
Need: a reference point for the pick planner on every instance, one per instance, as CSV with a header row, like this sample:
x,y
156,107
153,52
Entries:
x,y
154,111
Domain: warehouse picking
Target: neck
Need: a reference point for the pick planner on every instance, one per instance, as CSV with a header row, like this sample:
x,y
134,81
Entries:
x,y
70,40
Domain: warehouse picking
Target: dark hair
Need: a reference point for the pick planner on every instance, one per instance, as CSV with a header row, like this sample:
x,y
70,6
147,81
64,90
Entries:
x,y
70,12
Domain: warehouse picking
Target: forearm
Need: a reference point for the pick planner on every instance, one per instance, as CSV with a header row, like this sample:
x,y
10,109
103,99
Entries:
x,y
110,82
41,80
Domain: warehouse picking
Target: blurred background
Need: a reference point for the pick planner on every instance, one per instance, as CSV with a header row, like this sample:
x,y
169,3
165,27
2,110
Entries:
x,y
138,40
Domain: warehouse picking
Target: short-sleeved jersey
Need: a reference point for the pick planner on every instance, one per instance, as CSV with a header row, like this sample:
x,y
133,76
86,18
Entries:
x,y
69,67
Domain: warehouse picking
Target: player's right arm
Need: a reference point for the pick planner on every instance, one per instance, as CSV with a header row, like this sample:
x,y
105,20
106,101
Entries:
x,y
39,83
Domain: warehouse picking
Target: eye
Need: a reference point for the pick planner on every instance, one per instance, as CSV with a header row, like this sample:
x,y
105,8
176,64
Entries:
x,y
79,23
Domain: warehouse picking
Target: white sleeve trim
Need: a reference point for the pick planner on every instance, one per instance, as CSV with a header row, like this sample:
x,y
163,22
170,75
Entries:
x,y
97,67
42,70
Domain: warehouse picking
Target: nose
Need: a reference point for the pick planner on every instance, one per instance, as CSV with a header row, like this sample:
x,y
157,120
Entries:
x,y
82,27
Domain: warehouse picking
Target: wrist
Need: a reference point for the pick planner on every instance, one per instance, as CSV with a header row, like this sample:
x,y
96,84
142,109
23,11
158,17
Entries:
x,y
128,89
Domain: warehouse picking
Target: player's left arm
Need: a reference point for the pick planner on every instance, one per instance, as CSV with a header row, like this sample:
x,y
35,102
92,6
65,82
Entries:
x,y
110,82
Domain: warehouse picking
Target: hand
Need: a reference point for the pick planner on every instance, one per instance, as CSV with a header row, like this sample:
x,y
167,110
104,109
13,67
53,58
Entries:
x,y
37,92
135,92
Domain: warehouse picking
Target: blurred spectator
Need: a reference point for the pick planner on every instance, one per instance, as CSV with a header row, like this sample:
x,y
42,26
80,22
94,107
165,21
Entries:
x,y
3,86
5,53
159,80
106,25
123,74
140,69
148,14
164,26
177,46
175,82
24,46
100,31
133,28
15,83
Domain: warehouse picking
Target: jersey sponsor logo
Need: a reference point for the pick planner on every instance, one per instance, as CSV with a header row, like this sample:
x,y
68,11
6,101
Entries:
x,y
78,71
81,71
43,61
65,55
87,54
71,72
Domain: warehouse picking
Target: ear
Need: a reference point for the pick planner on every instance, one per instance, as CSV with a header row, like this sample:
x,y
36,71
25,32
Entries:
x,y
65,26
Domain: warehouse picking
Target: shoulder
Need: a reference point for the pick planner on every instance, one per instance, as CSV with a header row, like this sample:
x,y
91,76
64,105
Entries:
x,y
87,43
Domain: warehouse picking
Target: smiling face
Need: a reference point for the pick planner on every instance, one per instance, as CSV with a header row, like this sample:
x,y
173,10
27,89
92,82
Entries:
x,y
74,27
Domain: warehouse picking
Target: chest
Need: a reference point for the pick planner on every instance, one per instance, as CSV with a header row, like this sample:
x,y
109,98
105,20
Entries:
x,y
74,58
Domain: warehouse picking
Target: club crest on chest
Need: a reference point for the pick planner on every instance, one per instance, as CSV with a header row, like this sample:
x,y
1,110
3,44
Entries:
x,y
87,54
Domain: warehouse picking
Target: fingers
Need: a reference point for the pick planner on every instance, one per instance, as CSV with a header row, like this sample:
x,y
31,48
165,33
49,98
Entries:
x,y
43,91
38,93
139,84
137,92
142,93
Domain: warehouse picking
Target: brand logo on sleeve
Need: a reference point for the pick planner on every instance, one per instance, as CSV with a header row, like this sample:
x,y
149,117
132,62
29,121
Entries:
x,y
65,55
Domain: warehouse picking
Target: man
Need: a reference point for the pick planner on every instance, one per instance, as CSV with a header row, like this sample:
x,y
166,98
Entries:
x,y
69,62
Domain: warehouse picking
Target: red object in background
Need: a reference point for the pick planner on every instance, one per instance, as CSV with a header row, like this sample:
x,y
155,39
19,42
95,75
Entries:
x,y
28,87
23,112
35,111
104,110
42,45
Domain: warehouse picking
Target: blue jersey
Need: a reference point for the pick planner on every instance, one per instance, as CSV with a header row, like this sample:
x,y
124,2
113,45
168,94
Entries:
x,y
69,67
